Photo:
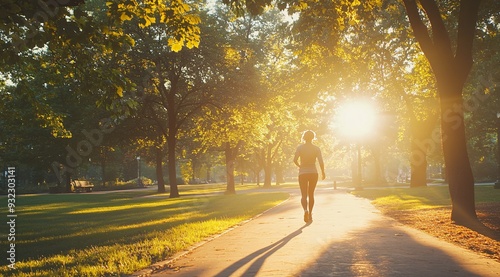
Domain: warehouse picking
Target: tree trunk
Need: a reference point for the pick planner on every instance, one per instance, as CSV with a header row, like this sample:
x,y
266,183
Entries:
x,y
279,175
195,167
103,167
359,169
230,186
418,177
378,179
451,68
418,169
159,170
267,175
268,164
230,162
172,140
172,172
171,162
209,177
422,143
67,182
458,169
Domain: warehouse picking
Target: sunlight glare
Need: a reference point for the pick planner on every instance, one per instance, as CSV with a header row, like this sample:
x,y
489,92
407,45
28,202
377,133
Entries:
x,y
356,119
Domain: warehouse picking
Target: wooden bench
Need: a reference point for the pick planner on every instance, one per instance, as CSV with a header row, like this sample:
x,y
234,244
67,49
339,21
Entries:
x,y
82,186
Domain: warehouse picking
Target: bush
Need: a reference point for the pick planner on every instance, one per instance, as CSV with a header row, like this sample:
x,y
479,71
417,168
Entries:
x,y
121,185
29,189
180,181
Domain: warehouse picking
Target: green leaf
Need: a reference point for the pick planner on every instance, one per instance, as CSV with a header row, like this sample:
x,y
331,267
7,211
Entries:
x,y
119,91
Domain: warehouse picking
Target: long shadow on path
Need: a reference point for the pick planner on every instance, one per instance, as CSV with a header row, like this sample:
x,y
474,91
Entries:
x,y
262,255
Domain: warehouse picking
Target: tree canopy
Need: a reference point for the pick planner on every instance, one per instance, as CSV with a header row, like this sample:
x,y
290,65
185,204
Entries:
x,y
244,79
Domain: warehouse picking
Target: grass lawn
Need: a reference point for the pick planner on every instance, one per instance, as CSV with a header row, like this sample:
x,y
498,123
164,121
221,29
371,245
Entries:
x,y
112,234
423,198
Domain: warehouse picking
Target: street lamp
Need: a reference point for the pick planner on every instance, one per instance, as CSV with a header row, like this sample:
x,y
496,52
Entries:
x,y
497,184
139,182
360,175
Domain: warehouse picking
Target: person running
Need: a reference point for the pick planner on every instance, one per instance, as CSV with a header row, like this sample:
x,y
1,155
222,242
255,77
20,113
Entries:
x,y
308,153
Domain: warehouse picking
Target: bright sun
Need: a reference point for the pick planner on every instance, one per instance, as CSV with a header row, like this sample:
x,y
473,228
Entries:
x,y
356,119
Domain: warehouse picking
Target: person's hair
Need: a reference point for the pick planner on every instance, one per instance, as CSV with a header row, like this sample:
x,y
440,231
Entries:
x,y
308,136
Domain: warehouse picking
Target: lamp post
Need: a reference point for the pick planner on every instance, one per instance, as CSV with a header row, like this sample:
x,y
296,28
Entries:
x,y
497,184
139,183
360,175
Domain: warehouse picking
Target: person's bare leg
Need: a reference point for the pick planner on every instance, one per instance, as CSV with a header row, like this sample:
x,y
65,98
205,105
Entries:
x,y
312,186
303,183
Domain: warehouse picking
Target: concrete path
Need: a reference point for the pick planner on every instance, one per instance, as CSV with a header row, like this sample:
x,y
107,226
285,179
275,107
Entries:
x,y
348,237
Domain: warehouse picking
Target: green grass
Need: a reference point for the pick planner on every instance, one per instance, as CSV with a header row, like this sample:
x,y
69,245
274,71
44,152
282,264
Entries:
x,y
209,188
422,198
118,233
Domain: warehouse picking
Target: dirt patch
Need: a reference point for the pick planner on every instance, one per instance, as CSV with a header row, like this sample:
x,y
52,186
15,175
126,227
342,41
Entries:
x,y
436,222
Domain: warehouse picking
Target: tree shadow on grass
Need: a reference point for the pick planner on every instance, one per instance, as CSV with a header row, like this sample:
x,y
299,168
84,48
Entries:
x,y
94,222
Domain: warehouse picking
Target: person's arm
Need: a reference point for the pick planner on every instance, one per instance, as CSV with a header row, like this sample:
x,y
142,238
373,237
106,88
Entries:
x,y
321,164
296,158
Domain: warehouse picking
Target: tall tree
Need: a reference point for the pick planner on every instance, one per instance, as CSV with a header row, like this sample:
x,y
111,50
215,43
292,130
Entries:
x,y
421,107
237,117
281,124
451,66
229,129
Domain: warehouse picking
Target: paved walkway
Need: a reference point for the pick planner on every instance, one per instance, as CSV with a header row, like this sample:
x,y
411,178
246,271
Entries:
x,y
348,237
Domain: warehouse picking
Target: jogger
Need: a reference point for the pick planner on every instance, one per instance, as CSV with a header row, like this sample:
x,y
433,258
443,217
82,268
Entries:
x,y
308,153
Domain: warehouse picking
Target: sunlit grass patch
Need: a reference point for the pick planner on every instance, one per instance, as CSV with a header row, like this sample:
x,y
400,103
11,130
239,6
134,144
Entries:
x,y
407,198
210,188
404,202
423,197
122,233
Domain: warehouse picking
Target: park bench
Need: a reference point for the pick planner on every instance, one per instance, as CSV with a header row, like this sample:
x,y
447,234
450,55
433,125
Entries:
x,y
82,186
